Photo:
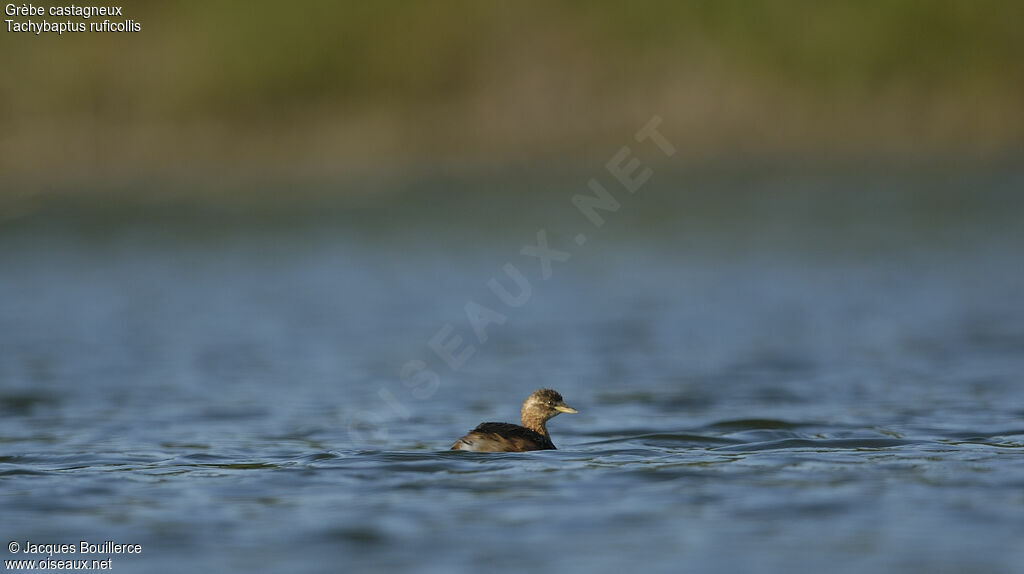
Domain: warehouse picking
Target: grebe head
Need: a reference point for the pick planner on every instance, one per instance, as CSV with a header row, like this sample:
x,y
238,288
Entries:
x,y
542,405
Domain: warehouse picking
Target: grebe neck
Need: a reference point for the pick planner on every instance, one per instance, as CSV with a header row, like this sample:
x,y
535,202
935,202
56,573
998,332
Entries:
x,y
534,421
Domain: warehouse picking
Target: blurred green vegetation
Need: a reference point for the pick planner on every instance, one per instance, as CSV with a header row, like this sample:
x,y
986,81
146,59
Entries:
x,y
327,87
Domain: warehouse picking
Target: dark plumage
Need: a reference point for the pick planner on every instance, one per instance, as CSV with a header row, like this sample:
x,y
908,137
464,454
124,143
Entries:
x,y
503,437
507,437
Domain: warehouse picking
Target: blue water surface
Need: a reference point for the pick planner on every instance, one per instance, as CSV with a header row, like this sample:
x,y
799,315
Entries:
x,y
774,374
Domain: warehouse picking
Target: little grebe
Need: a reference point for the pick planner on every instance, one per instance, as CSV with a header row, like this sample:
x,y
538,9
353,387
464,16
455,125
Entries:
x,y
507,437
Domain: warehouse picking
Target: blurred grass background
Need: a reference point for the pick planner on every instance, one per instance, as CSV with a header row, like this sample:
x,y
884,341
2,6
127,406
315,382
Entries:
x,y
218,91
